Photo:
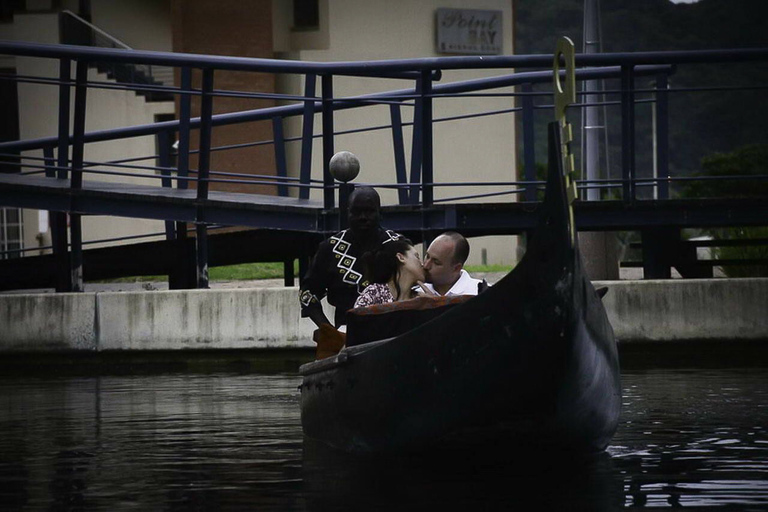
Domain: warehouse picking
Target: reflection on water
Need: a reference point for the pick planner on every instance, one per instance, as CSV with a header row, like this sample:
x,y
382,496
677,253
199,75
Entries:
x,y
694,438
233,442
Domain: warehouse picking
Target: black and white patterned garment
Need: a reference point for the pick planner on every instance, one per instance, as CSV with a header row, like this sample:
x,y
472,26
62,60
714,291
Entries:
x,y
376,293
337,271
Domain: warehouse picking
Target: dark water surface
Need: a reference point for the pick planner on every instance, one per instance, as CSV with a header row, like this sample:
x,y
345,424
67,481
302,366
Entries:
x,y
691,438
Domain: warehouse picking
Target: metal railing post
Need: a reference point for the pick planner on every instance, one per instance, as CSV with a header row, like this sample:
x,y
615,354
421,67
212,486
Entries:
x,y
203,168
399,148
164,161
307,132
329,196
50,162
182,153
164,158
628,132
59,236
529,149
281,165
427,178
416,146
65,79
204,155
662,136
76,175
78,129
185,113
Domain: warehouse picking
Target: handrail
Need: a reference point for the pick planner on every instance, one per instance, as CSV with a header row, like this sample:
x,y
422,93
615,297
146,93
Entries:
x,y
379,67
115,41
341,104
78,31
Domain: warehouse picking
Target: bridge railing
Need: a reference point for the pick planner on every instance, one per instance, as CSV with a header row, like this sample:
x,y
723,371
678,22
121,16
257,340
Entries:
x,y
63,155
424,72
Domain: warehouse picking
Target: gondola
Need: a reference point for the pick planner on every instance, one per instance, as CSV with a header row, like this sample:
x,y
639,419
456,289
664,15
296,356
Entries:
x,y
530,362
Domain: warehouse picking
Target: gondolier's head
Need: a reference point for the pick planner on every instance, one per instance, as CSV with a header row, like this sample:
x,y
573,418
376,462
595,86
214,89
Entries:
x,y
364,210
445,258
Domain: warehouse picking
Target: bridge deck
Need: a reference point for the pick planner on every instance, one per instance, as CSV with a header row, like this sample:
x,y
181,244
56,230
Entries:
x,y
153,202
287,213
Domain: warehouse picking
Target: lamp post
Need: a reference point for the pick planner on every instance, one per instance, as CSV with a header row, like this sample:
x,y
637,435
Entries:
x,y
344,167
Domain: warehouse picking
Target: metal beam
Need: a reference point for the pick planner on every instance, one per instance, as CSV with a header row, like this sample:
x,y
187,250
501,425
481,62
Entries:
x,y
329,196
308,126
380,68
628,133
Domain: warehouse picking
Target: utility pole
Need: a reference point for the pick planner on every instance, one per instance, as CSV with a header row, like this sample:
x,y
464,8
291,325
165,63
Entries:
x,y
591,127
600,249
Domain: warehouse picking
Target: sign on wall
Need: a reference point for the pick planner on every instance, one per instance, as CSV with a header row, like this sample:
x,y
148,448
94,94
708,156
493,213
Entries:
x,y
469,31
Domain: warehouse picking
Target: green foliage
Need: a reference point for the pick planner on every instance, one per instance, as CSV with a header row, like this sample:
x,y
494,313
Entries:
x,y
249,271
749,160
745,252
245,271
701,123
704,127
485,269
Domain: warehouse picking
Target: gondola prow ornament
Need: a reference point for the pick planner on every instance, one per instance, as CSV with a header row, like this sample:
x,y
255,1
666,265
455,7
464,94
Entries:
x,y
565,94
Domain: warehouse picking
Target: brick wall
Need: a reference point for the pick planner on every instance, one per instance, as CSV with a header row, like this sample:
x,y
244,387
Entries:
x,y
234,28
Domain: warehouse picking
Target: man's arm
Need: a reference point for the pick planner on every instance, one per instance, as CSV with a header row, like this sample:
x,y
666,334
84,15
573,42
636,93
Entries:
x,y
314,287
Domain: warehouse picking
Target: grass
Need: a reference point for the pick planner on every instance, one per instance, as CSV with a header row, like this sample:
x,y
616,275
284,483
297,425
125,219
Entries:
x,y
242,272
249,271
253,271
484,269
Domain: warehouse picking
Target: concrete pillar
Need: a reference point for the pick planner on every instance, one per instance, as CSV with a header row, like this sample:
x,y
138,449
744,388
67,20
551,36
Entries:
x,y
601,253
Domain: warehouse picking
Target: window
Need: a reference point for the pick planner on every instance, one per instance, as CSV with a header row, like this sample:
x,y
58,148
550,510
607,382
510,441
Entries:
x,y
306,15
11,233
9,119
9,7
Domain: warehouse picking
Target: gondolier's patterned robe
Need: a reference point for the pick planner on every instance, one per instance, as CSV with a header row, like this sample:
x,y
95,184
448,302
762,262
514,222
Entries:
x,y
337,270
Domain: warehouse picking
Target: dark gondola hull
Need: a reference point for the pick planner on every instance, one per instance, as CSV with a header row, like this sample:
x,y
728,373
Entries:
x,y
531,361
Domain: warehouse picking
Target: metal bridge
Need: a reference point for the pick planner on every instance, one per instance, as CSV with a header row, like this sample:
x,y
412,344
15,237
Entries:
x,y
288,225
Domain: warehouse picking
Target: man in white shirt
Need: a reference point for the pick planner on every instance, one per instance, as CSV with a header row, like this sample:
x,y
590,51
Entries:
x,y
444,266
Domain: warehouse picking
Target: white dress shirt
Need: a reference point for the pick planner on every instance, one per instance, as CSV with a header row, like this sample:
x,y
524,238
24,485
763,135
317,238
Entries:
x,y
466,285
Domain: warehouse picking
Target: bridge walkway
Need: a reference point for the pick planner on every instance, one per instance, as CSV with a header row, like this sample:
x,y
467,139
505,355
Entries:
x,y
277,220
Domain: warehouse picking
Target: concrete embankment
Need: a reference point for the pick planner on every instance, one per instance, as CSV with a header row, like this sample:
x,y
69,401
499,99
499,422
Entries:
x,y
268,318
688,309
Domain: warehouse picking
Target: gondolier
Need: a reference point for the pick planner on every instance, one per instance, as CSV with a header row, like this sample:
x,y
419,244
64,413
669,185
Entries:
x,y
337,269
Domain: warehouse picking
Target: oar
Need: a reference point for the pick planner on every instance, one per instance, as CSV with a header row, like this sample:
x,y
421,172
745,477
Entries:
x,y
329,341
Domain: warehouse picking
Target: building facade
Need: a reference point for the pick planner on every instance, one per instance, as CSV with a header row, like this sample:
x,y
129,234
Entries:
x,y
465,150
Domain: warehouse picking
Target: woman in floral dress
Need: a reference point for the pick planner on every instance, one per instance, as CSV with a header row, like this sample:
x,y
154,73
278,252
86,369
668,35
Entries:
x,y
394,269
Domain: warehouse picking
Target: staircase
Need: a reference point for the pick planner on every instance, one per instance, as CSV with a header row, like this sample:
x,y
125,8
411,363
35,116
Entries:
x,y
75,30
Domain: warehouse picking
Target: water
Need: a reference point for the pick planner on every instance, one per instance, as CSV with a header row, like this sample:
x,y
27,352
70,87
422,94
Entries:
x,y
692,438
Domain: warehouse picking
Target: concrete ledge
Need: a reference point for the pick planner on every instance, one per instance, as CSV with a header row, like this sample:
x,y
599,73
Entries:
x,y
688,309
48,322
197,319
158,320
269,318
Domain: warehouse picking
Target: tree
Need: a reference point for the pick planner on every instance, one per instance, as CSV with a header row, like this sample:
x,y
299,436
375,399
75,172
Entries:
x,y
745,171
